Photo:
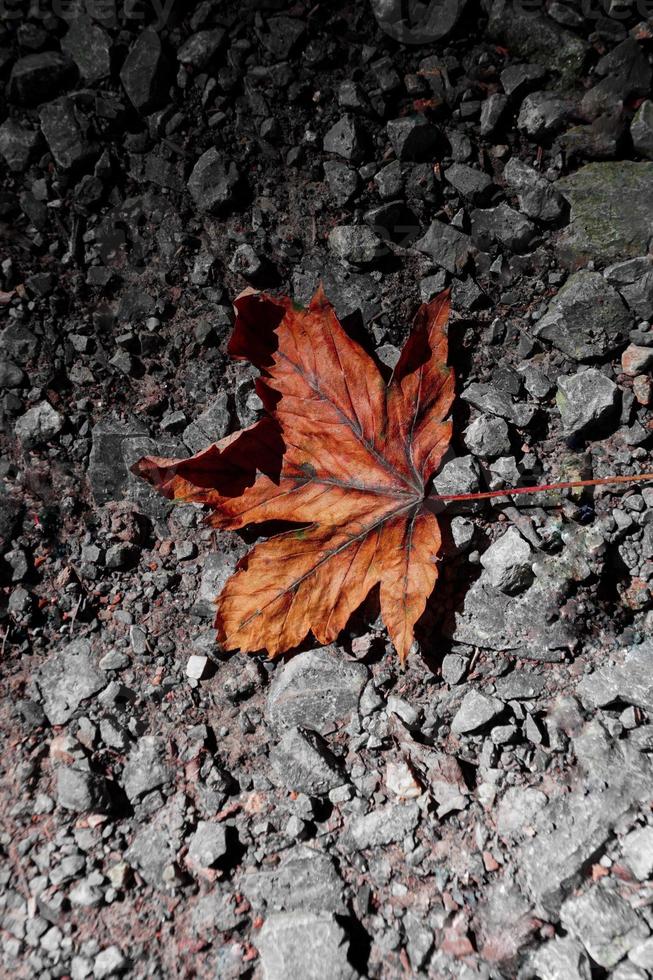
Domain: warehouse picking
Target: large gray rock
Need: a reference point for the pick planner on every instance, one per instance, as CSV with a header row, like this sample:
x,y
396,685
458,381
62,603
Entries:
x,y
154,848
562,958
637,849
630,681
64,135
530,622
610,216
346,138
386,825
216,570
37,77
208,844
304,764
634,280
319,689
90,48
488,437
17,144
641,129
413,137
144,73
537,196
508,562
357,244
116,445
586,401
587,319
310,945
79,790
68,678
572,829
503,226
459,475
307,880
213,181
146,767
476,711
606,925
210,426
38,425
543,114
535,37
495,401
446,246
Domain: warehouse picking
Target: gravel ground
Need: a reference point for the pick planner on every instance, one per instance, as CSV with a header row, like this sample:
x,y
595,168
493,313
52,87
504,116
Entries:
x,y
169,811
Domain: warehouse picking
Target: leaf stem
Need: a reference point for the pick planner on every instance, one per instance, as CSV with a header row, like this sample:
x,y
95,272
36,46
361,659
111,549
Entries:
x,y
543,487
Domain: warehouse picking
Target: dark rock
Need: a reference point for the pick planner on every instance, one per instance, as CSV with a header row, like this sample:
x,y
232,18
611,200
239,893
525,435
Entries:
x,y
347,138
307,880
63,134
586,401
610,218
212,182
641,130
532,35
395,222
519,79
17,145
390,181
417,24
600,140
282,36
38,77
144,73
210,426
343,181
587,319
199,50
472,184
304,763
414,137
497,401
537,197
504,226
634,280
446,246
90,48
319,689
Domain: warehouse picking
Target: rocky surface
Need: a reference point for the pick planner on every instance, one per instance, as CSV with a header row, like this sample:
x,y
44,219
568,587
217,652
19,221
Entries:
x,y
166,810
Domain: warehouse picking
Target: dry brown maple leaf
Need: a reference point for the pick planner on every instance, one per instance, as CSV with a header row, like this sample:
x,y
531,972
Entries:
x,y
339,451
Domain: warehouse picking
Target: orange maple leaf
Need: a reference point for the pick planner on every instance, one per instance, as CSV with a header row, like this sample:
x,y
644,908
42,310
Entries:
x,y
338,451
